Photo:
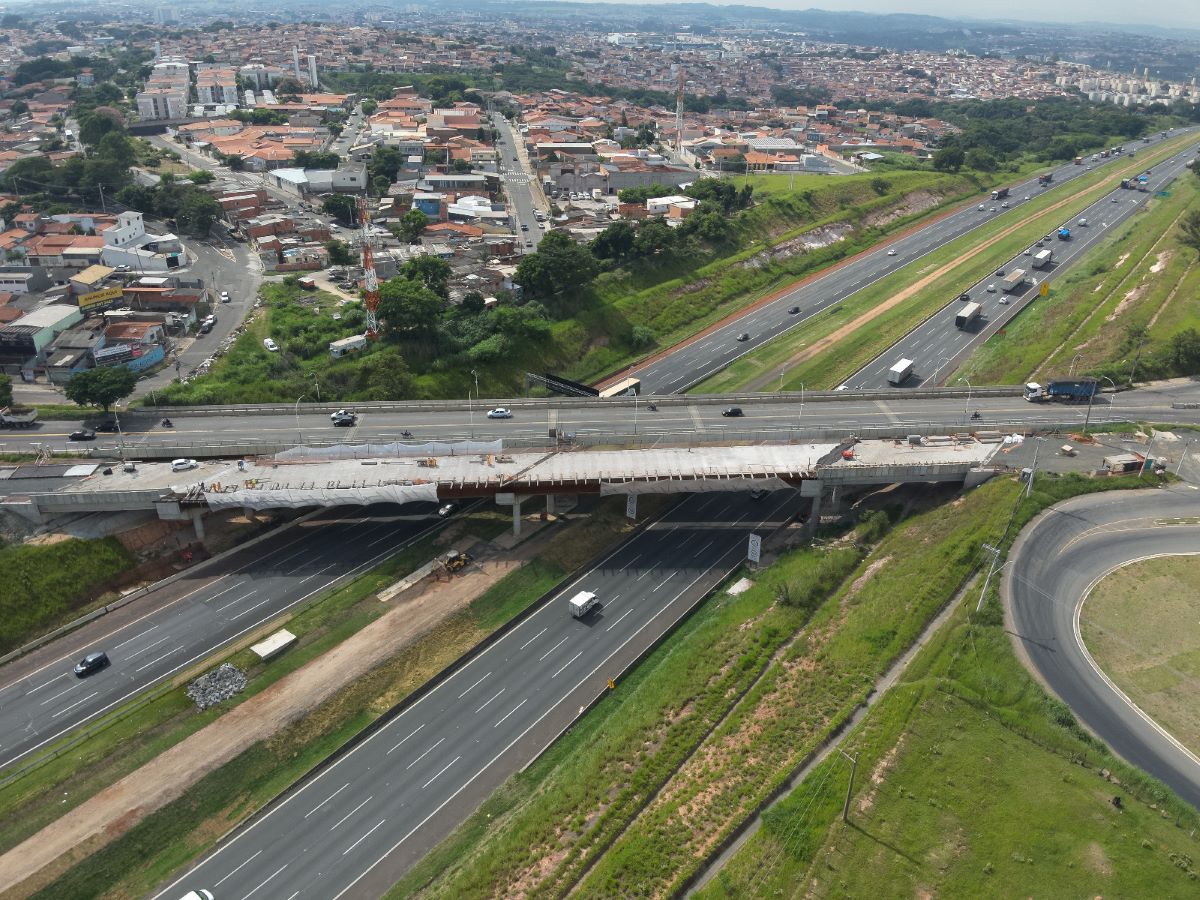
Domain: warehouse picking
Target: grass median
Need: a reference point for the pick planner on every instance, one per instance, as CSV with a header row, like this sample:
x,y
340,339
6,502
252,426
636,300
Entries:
x,y
825,351
166,840
971,781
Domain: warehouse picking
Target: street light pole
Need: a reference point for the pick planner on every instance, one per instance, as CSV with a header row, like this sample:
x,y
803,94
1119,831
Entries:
x,y
317,385
1087,418
1112,404
1074,359
1033,469
296,411
471,403
967,408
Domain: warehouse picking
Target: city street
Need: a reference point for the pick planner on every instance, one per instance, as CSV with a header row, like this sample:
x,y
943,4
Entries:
x,y
518,183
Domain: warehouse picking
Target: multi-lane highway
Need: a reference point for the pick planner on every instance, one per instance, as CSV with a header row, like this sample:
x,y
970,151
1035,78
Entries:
x,y
1052,568
194,435
40,697
357,825
695,360
937,345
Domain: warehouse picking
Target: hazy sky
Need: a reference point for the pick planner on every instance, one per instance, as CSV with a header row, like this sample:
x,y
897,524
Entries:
x,y
1185,13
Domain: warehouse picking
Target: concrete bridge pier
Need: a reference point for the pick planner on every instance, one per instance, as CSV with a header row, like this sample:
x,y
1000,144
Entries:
x,y
814,489
197,517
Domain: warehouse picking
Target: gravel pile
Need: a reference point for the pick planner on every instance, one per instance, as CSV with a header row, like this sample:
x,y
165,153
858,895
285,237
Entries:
x,y
219,684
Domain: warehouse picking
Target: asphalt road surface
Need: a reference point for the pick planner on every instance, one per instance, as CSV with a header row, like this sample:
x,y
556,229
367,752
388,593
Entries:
x,y
204,435
692,362
937,345
1050,571
41,699
356,826
517,184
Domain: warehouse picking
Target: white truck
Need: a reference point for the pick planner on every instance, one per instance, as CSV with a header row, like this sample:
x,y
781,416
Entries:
x,y
12,417
583,603
1043,258
900,372
597,194
1013,280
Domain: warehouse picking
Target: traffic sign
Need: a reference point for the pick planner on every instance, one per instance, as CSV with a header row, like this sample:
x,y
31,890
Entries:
x,y
754,551
631,506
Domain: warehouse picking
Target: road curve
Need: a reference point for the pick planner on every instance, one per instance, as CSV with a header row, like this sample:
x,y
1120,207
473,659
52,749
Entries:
x,y
1052,568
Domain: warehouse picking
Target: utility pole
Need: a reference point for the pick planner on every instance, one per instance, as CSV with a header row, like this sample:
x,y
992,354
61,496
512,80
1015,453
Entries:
x,y
1033,470
850,788
995,551
103,209
1088,416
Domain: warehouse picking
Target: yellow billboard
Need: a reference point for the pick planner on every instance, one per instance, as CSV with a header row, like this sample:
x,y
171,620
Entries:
x,y
105,295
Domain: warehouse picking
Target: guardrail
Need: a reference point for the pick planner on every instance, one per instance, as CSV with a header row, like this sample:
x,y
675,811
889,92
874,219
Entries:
x,y
664,400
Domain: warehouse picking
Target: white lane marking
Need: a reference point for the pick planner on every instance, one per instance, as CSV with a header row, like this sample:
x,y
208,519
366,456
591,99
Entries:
x,y
439,774
668,578
644,574
535,637
238,600
323,802
250,609
234,586
567,663
231,874
403,739
386,537
423,755
618,622
497,694
702,549
316,573
356,843
472,687
510,712
34,690
158,659
73,705
135,637
552,649
137,653
352,812
60,693
263,883
629,564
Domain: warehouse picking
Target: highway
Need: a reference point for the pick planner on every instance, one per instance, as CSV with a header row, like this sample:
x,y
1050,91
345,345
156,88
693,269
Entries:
x,y
681,418
40,697
1052,568
356,826
691,362
936,346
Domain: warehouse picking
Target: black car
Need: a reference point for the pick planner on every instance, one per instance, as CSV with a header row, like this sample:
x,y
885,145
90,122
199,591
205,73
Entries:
x,y
733,412
964,296
792,310
93,662
346,421
744,336
83,434
110,425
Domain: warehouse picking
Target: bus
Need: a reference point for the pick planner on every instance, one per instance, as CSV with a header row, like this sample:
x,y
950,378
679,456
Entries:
x,y
627,387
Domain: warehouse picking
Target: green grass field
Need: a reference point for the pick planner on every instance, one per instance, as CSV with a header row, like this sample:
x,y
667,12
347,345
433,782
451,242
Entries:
x,y
1142,626
834,363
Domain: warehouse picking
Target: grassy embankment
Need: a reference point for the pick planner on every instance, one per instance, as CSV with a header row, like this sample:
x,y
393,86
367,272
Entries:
x,y
629,802
134,863
822,353
1139,283
47,585
972,782
1142,626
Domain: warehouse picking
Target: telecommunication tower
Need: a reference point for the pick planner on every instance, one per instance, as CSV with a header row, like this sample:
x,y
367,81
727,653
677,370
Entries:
x,y
370,279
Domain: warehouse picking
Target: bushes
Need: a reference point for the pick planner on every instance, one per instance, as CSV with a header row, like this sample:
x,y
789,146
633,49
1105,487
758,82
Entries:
x,y
44,584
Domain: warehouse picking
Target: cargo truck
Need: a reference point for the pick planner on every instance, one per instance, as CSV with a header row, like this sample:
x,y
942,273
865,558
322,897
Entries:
x,y
1124,184
1046,178
1079,160
1070,389
1043,258
583,603
900,372
17,417
999,193
597,194
967,315
1013,280
1064,233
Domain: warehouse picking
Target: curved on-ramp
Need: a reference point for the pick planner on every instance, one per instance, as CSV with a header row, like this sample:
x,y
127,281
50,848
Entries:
x,y
1053,566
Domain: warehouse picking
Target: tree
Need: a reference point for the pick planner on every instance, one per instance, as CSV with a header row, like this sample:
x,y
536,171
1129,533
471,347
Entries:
x,y
949,159
201,176
472,302
431,271
369,106
288,85
409,306
342,207
981,160
1185,352
308,159
615,242
99,122
101,386
380,184
196,212
6,395
339,253
559,265
1189,230
412,223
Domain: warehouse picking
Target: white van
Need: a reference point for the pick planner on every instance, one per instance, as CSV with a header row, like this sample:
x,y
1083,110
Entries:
x,y
583,603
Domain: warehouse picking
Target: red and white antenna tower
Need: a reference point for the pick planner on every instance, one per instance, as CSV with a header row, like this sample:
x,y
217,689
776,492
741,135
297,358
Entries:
x,y
370,279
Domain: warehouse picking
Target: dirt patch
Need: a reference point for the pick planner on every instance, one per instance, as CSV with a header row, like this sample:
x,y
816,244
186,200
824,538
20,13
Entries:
x,y
805,243
1161,261
880,774
1131,297
866,576
1097,860
119,807
916,202
1120,260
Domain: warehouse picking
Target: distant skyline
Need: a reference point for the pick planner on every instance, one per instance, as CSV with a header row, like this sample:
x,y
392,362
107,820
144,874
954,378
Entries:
x,y
1116,12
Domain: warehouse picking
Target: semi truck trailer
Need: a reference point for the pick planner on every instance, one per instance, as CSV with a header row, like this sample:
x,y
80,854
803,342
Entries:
x,y
1070,389
1013,280
900,372
999,193
1046,178
967,315
1043,258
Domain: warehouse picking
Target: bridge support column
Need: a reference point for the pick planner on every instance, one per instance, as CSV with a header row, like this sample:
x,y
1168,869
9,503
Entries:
x,y
197,516
516,505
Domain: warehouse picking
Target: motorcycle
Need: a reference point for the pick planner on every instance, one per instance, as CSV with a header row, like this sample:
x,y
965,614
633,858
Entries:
x,y
653,407
167,423
976,415
406,434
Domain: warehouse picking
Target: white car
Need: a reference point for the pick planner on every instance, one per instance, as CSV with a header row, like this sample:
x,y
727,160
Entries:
x,y
499,413
991,289
182,465
1004,301
340,414
270,345
982,207
225,298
